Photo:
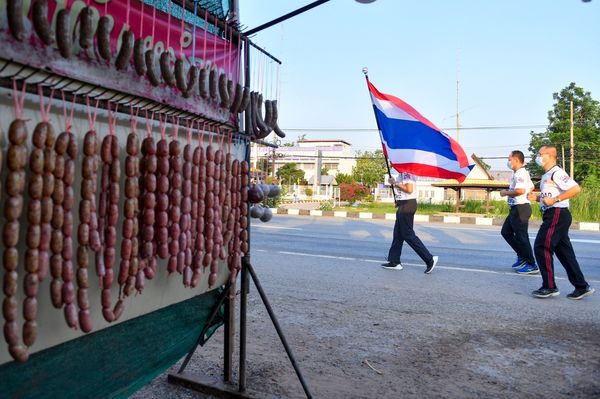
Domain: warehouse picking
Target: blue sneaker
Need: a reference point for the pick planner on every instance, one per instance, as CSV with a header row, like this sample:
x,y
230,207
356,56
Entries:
x,y
528,269
519,263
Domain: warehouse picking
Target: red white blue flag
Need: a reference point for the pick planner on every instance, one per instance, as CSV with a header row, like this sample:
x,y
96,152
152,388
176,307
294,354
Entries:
x,y
415,145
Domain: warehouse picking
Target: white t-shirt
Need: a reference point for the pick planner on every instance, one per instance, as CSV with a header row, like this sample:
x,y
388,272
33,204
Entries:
x,y
404,178
555,182
520,179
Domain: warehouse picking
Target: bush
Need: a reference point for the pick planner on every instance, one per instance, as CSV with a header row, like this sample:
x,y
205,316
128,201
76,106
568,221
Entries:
x,y
326,206
308,192
353,192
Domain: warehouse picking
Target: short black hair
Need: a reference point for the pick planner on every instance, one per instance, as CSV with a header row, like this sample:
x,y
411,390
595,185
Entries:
x,y
519,155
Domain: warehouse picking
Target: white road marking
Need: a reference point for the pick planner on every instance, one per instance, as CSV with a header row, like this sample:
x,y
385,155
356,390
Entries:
x,y
266,226
454,268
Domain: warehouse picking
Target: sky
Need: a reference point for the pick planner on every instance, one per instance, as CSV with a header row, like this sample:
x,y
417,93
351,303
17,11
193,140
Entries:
x,y
509,57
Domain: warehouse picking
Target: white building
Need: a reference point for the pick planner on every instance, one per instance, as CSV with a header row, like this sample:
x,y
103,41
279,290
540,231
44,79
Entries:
x,y
311,156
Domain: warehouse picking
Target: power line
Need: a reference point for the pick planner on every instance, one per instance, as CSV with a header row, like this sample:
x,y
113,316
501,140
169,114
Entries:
x,y
354,129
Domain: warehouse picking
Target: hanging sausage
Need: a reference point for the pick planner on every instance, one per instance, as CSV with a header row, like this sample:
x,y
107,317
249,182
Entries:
x,y
13,206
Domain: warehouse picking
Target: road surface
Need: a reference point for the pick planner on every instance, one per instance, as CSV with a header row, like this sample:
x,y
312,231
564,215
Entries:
x,y
468,330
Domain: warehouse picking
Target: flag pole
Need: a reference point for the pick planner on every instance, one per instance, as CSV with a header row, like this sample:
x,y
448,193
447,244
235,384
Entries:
x,y
365,70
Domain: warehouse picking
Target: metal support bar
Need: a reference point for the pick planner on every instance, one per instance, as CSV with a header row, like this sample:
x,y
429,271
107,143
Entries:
x,y
229,332
247,266
284,17
211,317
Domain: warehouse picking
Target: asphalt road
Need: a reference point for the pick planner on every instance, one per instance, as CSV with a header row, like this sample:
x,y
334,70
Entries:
x,y
470,329
461,248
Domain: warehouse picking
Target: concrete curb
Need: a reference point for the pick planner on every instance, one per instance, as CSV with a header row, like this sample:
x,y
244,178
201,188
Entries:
x,y
482,221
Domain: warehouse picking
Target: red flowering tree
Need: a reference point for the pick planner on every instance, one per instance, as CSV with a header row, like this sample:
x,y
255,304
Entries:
x,y
352,192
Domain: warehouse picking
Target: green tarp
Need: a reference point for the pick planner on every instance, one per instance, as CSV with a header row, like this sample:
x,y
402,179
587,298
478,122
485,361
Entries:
x,y
113,362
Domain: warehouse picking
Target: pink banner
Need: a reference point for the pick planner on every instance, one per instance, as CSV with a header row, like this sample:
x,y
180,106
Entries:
x,y
158,30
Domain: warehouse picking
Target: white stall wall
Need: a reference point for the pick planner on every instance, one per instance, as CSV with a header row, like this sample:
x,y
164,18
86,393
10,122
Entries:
x,y
162,291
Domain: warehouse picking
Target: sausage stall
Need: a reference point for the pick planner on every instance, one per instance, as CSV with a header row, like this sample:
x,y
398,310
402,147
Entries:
x,y
124,133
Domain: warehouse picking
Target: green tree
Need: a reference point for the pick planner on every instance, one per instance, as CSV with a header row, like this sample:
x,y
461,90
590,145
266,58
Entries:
x,y
370,168
290,174
344,178
586,131
324,171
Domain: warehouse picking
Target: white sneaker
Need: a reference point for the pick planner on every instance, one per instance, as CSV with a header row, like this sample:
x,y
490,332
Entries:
x,y
392,266
433,263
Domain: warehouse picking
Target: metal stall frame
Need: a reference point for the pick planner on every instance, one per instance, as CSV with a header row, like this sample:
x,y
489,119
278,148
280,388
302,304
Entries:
x,y
203,383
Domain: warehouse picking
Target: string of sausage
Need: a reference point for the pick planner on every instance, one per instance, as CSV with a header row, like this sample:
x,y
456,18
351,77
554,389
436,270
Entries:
x,y
62,291
87,233
186,240
130,243
217,225
13,206
163,183
199,162
68,273
244,169
209,201
148,166
175,199
111,175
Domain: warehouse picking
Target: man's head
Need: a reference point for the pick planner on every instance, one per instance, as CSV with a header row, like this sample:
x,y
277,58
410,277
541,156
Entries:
x,y
516,159
546,156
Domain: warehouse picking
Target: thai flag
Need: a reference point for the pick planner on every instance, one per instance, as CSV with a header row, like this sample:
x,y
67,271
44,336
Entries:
x,y
415,145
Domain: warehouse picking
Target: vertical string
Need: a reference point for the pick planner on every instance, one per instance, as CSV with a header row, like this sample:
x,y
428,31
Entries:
x,y
127,15
134,118
182,28
239,60
153,21
19,99
162,126
210,135
169,10
149,122
194,21
205,34
175,126
142,18
221,138
188,125
201,133
45,111
215,47
229,74
91,118
112,119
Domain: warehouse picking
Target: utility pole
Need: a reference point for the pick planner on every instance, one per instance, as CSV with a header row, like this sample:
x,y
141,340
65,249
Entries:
x,y
563,156
457,83
457,115
572,169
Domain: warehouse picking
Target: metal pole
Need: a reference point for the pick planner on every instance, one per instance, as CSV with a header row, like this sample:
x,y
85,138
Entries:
x,y
284,17
247,266
572,166
244,272
366,72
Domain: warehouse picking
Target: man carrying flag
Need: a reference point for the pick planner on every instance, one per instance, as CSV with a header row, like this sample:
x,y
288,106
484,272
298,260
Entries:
x,y
415,147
